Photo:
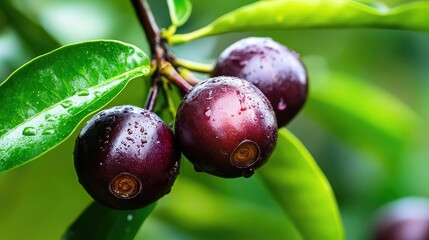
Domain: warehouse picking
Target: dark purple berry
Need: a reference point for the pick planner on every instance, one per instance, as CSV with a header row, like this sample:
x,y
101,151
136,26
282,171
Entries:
x,y
270,66
125,157
404,219
226,127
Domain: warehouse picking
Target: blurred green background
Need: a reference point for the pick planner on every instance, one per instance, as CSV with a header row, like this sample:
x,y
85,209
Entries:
x,y
390,67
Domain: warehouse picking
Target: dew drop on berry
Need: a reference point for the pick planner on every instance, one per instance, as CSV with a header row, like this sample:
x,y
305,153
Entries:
x,y
281,105
207,114
249,173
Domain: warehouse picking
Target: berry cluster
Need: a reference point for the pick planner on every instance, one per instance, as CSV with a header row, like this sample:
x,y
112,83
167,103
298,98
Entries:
x,y
127,157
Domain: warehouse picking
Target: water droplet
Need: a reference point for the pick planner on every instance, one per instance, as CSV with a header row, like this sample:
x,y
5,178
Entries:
x,y
98,94
158,142
249,172
130,131
207,114
130,139
241,99
66,103
281,105
50,118
239,62
210,95
83,93
130,217
101,164
142,130
48,131
145,71
143,141
29,131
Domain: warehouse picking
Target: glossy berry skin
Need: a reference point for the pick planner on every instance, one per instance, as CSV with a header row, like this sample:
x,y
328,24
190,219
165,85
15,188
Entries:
x,y
226,127
125,157
270,66
404,219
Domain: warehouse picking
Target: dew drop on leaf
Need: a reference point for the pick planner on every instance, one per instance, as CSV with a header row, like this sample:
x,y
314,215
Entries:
x,y
98,94
145,71
66,103
29,131
50,118
48,131
83,93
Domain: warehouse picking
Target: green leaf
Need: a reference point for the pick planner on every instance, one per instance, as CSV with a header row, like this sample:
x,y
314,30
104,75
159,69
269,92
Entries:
x,y
99,222
299,186
219,215
362,114
180,10
293,14
43,101
35,36
2,20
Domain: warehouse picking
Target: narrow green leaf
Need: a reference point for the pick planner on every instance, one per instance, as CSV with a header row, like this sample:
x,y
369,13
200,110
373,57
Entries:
x,y
180,10
99,222
35,36
362,114
292,14
44,101
296,182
